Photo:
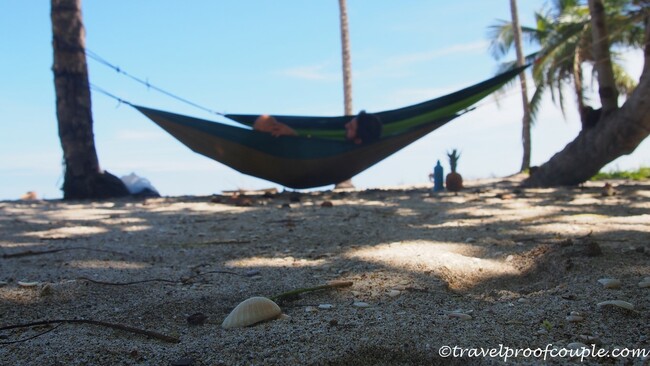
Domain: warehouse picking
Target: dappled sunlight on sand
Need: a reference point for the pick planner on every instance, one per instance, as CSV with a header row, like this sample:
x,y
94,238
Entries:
x,y
437,257
18,295
67,232
253,262
107,264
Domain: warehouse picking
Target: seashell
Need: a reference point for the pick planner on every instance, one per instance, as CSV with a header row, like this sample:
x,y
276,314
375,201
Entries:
x,y
574,318
360,304
394,293
28,284
325,306
461,316
619,303
610,283
251,311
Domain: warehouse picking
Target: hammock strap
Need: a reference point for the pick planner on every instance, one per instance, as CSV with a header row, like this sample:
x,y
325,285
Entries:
x,y
92,55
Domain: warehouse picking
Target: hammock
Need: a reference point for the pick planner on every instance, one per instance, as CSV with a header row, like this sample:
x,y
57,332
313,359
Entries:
x,y
319,155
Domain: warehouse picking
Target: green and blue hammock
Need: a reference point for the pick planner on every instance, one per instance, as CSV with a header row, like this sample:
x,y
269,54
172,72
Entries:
x,y
320,155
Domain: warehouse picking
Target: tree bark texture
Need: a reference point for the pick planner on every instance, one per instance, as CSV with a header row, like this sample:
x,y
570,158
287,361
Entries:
x,y
525,131
83,177
345,51
606,84
347,72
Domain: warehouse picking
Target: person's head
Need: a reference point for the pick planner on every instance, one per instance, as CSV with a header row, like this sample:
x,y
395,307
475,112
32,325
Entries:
x,y
363,129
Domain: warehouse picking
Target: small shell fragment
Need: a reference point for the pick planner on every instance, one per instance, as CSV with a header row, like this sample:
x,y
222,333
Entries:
x,y
325,306
360,304
461,316
610,283
251,311
575,317
28,284
394,293
618,303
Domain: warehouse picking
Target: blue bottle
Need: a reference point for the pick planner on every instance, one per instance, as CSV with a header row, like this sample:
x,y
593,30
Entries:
x,y
437,178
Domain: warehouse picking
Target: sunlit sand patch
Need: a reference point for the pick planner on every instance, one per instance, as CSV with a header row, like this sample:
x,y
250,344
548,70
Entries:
x,y
461,260
136,228
19,245
67,232
275,262
198,207
18,295
99,264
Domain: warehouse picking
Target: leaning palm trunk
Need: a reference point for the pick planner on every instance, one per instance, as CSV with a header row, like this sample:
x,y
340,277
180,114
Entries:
x,y
83,178
618,133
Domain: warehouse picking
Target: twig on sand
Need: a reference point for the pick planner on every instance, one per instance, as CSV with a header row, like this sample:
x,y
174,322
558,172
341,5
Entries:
x,y
122,327
180,281
294,293
30,338
40,252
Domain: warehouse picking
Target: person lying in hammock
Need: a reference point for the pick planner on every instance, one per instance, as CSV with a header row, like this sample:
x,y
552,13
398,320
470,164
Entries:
x,y
362,129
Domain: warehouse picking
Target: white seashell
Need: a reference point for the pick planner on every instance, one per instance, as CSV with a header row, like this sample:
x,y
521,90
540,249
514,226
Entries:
x,y
251,311
325,306
461,316
28,284
394,293
619,303
574,318
360,304
610,283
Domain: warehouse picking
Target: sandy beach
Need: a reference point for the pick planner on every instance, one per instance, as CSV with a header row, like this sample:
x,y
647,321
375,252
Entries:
x,y
493,266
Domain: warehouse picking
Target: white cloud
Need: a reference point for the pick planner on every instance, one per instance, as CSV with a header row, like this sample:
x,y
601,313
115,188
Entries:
x,y
418,57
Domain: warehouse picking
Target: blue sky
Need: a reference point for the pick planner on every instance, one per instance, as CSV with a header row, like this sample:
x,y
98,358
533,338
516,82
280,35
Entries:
x,y
279,57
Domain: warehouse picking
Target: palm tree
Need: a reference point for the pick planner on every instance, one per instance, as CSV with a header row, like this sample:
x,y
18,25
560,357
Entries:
x,y
347,72
83,177
345,51
620,129
565,36
525,134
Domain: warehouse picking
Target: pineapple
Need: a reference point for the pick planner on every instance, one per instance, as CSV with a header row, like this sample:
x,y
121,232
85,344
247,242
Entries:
x,y
454,181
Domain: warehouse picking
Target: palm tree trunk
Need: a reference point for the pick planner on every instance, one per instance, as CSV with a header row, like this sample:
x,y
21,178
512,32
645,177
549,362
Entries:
x,y
525,134
83,177
347,72
606,85
345,51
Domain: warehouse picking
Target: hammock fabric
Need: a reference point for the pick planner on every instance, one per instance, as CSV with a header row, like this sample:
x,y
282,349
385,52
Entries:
x,y
320,155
